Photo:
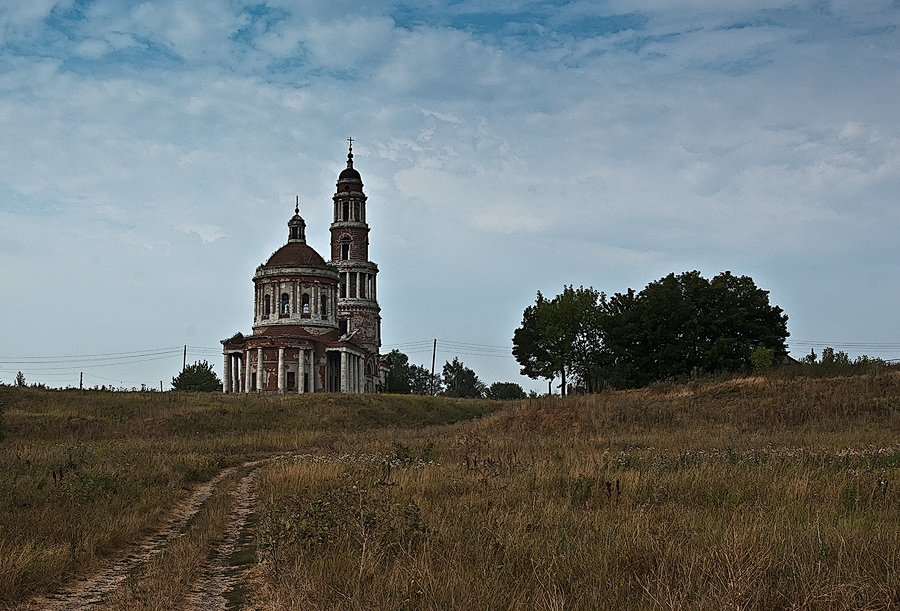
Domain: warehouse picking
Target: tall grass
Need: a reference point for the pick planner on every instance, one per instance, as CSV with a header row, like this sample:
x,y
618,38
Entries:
x,y
86,473
745,494
758,493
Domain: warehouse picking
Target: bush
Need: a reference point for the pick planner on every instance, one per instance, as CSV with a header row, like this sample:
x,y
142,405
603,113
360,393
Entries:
x,y
197,377
505,391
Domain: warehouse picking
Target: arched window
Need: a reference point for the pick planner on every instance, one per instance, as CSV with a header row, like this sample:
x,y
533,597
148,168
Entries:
x,y
267,305
285,303
323,309
304,304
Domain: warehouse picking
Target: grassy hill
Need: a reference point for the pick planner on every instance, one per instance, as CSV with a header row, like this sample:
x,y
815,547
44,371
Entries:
x,y
758,493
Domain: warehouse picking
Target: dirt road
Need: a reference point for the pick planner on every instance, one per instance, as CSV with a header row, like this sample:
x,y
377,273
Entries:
x,y
216,576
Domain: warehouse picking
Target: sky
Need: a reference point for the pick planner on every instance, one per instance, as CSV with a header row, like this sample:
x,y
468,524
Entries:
x,y
151,154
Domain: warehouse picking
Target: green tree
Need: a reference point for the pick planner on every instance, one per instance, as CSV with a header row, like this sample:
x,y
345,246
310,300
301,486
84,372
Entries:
x,y
405,378
421,381
762,359
505,391
20,380
398,377
682,325
561,336
460,381
197,377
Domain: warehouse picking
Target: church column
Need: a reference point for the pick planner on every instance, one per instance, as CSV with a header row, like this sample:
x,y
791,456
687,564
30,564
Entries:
x,y
343,371
281,370
247,378
259,369
226,374
360,377
236,372
301,369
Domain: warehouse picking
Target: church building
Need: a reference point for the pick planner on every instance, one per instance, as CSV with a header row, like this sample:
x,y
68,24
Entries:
x,y
316,323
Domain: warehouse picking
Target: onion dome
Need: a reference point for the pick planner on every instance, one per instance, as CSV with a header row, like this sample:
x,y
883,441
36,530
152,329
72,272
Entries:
x,y
350,173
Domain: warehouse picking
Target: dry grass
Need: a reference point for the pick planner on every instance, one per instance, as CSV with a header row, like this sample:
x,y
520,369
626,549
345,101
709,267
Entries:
x,y
85,474
761,493
166,580
751,494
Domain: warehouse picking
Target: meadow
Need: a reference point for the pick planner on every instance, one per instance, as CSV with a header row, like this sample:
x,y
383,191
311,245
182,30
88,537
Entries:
x,y
755,493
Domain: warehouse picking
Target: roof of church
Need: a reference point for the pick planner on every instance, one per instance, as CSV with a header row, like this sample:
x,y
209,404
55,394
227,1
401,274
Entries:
x,y
350,172
296,254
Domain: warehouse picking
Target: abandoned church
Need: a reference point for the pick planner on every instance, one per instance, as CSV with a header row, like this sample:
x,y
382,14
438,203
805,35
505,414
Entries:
x,y
316,324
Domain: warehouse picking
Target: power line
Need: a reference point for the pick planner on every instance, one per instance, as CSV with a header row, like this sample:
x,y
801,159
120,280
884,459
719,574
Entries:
x,y
458,348
847,345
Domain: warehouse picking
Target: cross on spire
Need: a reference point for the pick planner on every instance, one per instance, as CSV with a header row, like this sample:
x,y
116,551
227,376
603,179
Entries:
x,y
350,154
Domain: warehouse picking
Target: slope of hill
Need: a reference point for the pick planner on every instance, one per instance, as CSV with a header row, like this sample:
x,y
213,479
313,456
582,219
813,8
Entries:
x,y
757,493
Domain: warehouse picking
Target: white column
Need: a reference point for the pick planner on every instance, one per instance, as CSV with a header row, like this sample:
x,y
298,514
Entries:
x,y
360,377
236,373
246,361
343,371
301,369
312,370
259,369
281,370
226,374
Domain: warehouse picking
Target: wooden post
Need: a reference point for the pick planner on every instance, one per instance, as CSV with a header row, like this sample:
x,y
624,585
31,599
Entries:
x,y
433,353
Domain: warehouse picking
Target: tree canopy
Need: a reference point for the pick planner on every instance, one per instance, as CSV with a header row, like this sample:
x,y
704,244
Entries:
x,y
505,391
197,377
558,335
460,381
676,326
405,378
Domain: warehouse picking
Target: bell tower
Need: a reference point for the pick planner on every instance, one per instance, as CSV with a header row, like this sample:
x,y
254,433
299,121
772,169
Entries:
x,y
359,315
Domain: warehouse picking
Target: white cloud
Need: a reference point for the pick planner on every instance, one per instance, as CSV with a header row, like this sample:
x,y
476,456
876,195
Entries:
x,y
206,233
519,159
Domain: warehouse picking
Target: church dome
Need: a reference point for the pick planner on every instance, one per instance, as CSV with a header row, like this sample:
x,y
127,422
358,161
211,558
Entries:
x,y
296,254
349,172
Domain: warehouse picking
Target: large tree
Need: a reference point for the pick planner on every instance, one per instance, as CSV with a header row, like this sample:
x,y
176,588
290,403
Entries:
x,y
405,378
398,375
676,326
684,325
460,381
559,336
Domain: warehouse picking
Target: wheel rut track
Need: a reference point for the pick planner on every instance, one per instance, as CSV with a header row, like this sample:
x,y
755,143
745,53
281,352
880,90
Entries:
x,y
207,593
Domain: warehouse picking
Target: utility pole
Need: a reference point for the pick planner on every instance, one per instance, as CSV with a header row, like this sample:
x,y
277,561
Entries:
x,y
81,381
184,361
433,352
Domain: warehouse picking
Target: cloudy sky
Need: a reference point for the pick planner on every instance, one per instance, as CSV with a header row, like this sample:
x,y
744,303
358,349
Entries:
x,y
151,153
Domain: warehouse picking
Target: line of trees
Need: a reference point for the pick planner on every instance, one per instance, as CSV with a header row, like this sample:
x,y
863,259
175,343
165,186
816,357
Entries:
x,y
678,326
455,380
